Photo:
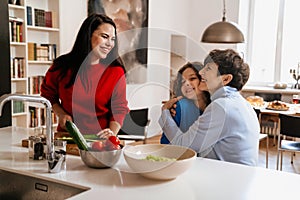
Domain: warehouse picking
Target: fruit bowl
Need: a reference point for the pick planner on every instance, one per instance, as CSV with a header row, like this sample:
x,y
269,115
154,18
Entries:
x,y
169,160
100,159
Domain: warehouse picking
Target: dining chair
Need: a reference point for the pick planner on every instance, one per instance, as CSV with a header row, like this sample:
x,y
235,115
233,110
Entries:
x,y
135,125
289,130
263,136
269,122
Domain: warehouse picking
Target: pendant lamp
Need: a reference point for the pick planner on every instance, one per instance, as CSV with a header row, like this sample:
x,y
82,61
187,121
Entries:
x,y
223,32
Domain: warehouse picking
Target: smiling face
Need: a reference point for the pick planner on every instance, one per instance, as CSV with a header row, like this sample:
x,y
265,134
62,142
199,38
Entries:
x,y
103,40
190,84
211,81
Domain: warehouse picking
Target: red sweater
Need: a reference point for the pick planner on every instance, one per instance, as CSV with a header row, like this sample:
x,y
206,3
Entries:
x,y
92,109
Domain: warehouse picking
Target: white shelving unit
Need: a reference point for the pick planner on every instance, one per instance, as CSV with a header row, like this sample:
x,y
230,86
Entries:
x,y
19,49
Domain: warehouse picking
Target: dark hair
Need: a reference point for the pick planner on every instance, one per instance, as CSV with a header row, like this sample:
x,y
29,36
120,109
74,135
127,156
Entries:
x,y
82,47
196,67
230,62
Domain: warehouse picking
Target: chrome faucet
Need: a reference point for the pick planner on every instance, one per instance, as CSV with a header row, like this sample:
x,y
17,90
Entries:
x,y
51,157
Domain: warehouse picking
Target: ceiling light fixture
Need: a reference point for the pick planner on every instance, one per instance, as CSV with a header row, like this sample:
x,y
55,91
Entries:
x,y
223,32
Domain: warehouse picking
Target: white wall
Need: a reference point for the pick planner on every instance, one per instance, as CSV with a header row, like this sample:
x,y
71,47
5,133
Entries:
x,y
186,18
72,12
204,13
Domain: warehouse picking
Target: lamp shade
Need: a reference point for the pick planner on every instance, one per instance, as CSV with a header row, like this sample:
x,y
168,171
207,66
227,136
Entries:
x,y
223,32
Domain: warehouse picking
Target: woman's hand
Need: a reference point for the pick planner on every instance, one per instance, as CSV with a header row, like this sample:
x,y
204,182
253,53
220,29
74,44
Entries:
x,y
105,133
62,120
171,104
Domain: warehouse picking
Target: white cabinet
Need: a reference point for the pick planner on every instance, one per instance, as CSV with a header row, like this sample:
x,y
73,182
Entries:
x,y
34,43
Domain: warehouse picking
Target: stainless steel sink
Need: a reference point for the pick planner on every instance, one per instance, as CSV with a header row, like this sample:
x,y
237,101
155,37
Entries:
x,y
20,186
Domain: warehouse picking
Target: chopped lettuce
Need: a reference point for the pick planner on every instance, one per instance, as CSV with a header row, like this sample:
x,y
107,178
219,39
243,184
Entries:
x,y
159,158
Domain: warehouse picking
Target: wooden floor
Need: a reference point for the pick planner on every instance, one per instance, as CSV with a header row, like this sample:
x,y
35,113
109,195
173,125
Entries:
x,y
286,166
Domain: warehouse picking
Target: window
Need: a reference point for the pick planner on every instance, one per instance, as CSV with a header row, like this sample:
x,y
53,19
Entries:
x,y
273,42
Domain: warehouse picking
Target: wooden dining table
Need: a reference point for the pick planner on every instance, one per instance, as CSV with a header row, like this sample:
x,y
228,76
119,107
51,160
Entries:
x,y
272,115
293,110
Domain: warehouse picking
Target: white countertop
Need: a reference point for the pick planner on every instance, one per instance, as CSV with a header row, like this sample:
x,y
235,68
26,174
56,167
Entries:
x,y
207,179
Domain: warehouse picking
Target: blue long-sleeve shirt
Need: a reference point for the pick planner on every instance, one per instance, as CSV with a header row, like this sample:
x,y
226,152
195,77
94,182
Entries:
x,y
227,130
186,114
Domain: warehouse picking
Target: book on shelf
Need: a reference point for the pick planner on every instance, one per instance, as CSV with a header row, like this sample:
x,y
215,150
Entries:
x,y
51,51
34,84
39,17
15,29
33,122
43,116
54,19
19,32
10,31
54,118
29,15
18,107
48,19
38,117
18,67
31,50
41,52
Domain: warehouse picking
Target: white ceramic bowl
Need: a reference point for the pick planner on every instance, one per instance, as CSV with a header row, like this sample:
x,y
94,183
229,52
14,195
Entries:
x,y
159,170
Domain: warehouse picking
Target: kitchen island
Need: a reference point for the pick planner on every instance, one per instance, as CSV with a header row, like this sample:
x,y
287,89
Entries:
x,y
206,179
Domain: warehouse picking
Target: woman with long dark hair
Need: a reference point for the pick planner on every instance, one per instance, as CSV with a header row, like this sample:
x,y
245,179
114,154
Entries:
x,y
88,84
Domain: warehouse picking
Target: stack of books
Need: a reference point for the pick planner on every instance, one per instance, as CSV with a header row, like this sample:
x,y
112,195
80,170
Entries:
x,y
34,84
40,17
15,29
17,66
41,52
38,117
